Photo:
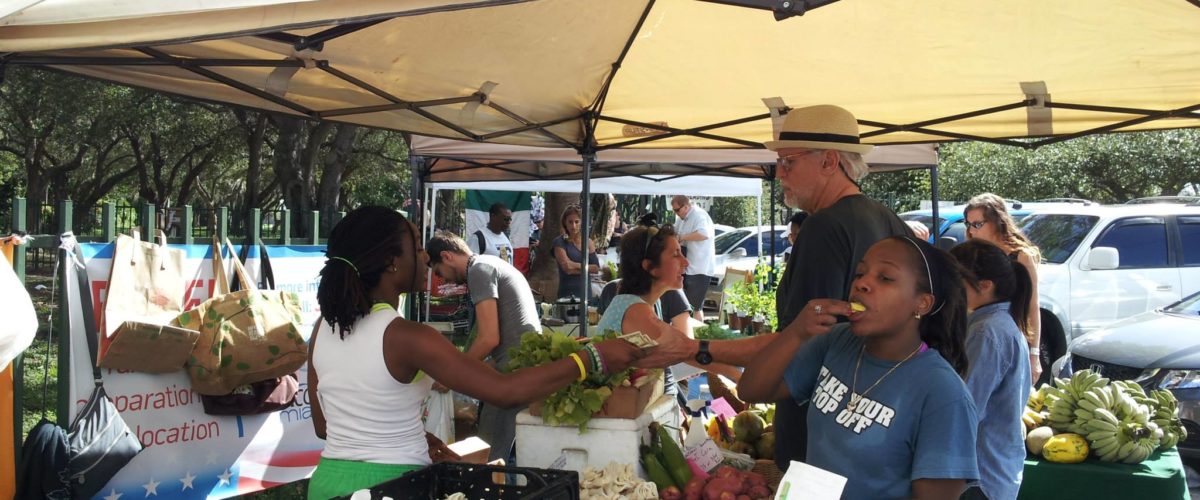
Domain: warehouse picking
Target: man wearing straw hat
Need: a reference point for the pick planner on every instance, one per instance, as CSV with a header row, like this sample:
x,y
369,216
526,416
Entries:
x,y
819,167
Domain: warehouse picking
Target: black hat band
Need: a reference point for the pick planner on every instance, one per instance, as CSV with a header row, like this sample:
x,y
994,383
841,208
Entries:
x,y
810,136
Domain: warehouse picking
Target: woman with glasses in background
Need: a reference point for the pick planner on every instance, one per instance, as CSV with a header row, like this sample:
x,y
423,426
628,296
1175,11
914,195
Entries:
x,y
987,218
569,254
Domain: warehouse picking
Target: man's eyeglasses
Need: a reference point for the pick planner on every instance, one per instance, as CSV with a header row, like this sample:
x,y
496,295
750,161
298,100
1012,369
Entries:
x,y
785,162
977,225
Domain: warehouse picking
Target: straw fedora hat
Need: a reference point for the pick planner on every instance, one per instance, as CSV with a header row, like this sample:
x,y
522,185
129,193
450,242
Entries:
x,y
819,127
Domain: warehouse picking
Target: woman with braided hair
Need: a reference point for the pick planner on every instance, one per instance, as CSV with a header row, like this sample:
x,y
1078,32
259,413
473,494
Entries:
x,y
887,405
370,369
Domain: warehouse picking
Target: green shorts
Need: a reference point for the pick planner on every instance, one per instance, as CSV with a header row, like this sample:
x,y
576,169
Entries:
x,y
335,478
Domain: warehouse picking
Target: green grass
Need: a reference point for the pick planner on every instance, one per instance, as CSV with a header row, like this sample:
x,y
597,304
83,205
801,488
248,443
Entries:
x,y
35,401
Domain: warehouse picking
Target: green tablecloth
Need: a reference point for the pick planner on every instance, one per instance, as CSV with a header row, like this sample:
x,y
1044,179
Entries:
x,y
1159,478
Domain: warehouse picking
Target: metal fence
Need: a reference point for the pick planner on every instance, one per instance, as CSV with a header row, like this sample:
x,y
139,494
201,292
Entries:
x,y
184,224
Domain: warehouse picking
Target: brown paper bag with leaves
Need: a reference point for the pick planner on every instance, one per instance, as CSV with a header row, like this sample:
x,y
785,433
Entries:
x,y
245,336
146,290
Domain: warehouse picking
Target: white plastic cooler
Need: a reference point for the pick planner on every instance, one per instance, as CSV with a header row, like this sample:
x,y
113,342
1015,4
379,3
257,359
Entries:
x,y
606,439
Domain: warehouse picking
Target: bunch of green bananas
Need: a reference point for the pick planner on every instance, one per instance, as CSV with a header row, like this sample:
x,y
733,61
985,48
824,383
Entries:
x,y
1065,398
1166,416
1116,440
1118,420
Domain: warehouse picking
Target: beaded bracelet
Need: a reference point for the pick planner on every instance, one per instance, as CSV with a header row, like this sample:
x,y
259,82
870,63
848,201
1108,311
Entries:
x,y
579,363
597,358
592,355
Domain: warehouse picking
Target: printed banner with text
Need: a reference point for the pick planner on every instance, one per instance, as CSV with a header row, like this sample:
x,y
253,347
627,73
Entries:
x,y
190,454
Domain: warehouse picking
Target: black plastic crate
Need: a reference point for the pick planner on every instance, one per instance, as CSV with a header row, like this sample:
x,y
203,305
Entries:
x,y
479,482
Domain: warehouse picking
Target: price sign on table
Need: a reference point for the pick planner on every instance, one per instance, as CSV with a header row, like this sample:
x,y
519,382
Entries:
x,y
707,455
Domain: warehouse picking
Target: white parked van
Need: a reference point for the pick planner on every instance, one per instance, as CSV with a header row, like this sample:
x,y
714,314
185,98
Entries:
x,y
1101,264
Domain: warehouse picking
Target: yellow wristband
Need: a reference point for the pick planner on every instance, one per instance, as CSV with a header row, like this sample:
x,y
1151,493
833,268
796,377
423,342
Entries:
x,y
579,363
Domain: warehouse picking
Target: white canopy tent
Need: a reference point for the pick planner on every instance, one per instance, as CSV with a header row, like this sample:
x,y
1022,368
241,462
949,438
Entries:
x,y
456,164
620,74
693,185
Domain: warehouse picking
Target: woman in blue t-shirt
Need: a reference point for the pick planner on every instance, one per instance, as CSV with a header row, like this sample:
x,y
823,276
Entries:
x,y
888,408
998,289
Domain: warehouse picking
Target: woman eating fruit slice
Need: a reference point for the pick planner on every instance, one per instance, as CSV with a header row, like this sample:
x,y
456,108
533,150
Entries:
x,y
888,408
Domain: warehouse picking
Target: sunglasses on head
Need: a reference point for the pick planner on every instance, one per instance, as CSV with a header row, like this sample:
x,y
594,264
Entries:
x,y
651,232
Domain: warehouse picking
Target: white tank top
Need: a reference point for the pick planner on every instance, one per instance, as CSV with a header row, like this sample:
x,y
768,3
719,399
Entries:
x,y
369,416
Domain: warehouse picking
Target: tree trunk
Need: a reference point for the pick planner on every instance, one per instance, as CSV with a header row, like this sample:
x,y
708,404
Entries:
x,y
329,190
601,226
290,183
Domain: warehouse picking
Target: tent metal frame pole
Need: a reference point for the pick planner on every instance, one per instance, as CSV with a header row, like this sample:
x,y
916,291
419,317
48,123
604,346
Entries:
x,y
677,132
532,126
30,60
771,181
890,128
529,125
934,194
589,157
758,223
199,67
211,75
1185,111
783,9
417,217
602,96
432,227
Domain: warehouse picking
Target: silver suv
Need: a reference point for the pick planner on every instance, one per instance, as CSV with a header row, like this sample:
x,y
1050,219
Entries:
x,y
1101,264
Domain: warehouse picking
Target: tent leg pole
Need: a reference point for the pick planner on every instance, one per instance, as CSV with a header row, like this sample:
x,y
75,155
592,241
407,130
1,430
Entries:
x,y
417,217
758,223
588,159
432,225
771,180
933,194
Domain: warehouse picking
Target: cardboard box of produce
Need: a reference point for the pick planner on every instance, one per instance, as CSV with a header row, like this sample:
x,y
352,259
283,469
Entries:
x,y
626,401
472,450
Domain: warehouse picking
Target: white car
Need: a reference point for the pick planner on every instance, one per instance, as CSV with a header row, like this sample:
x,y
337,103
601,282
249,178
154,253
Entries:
x,y
738,248
1101,264
734,247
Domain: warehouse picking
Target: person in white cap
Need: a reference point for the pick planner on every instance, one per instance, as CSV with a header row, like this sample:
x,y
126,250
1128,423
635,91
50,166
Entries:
x,y
819,167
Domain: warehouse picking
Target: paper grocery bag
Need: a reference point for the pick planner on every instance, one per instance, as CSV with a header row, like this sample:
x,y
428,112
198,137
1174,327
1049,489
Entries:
x,y
146,291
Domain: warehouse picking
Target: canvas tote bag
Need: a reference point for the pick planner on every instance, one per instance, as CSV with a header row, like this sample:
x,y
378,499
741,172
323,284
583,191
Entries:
x,y
257,397
146,292
246,336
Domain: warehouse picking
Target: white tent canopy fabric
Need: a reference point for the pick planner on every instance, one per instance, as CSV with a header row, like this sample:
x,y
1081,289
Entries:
x,y
465,161
692,185
641,73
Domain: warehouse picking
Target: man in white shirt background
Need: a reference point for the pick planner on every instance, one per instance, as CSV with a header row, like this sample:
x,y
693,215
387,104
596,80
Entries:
x,y
695,231
492,240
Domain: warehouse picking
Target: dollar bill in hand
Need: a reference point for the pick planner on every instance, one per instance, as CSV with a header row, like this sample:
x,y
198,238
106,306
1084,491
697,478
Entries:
x,y
639,339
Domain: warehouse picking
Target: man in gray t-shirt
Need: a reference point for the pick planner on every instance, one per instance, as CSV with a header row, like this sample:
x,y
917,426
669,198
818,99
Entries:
x,y
504,310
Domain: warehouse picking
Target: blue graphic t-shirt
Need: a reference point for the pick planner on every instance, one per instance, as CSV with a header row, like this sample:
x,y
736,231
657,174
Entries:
x,y
918,423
